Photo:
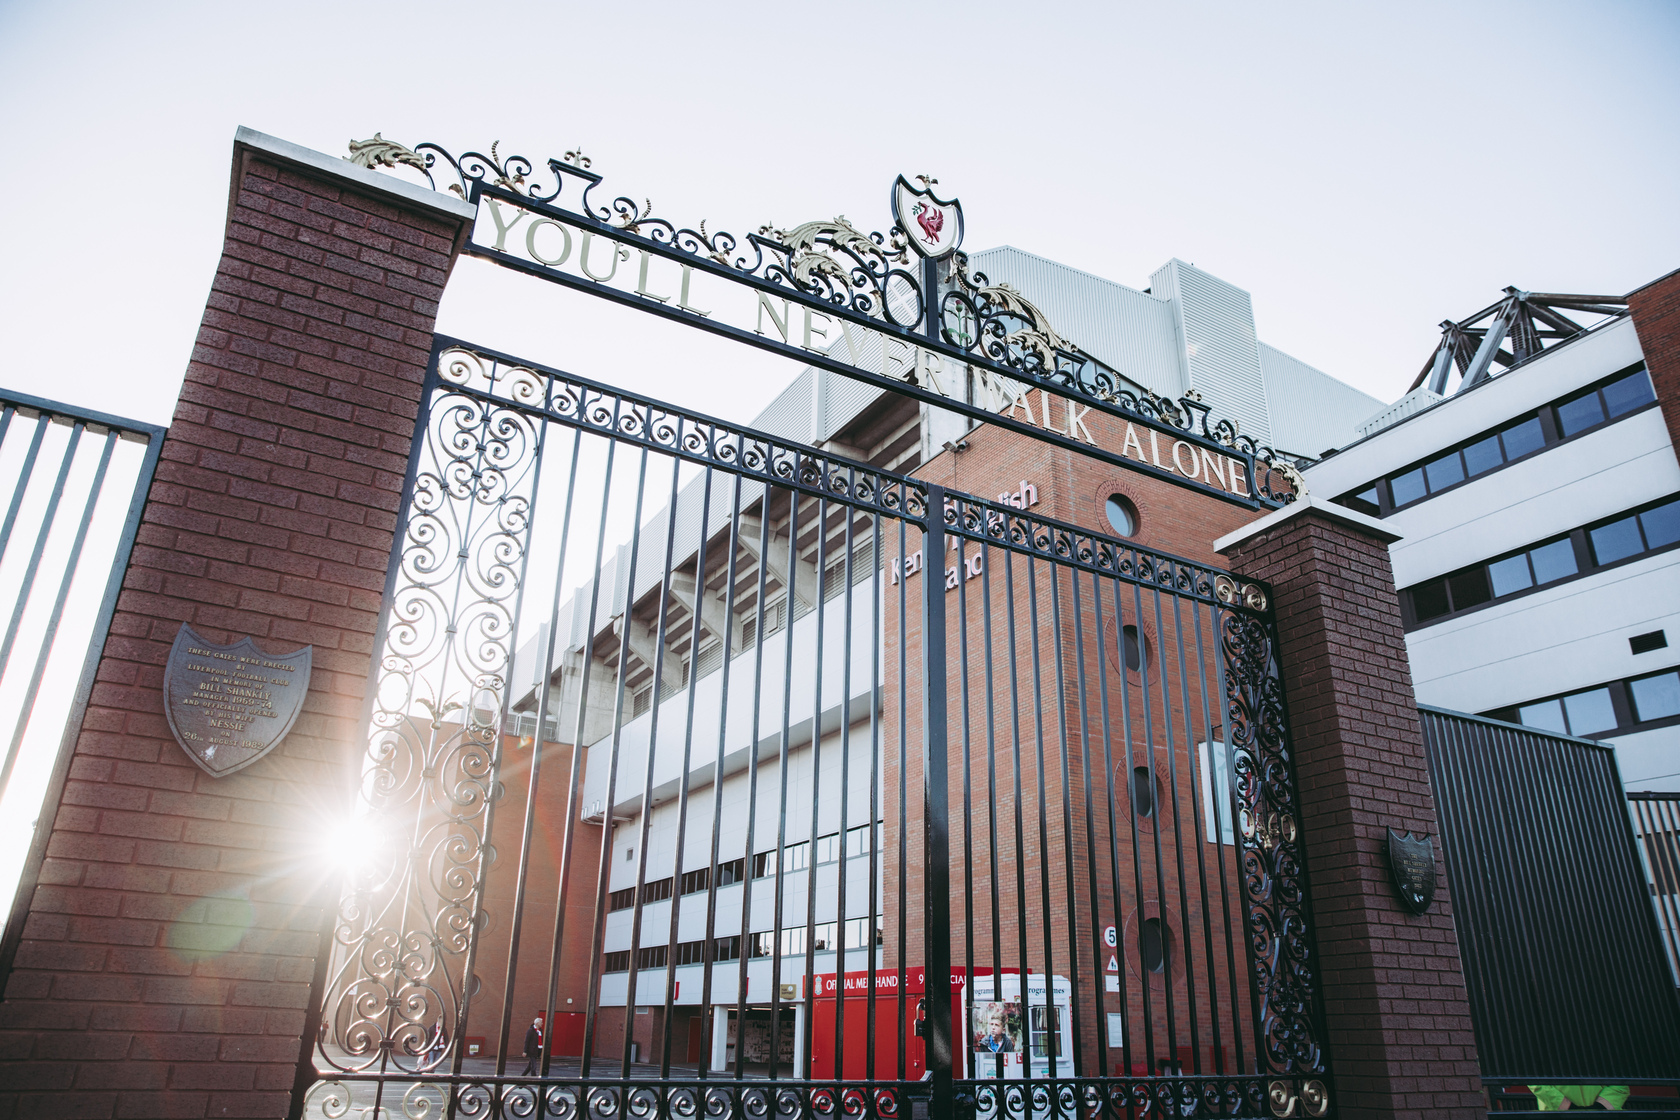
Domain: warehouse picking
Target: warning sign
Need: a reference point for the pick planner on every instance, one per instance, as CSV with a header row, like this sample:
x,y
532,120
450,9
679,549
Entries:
x,y
1113,964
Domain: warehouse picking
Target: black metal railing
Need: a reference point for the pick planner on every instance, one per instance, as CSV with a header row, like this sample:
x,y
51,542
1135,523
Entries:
x,y
1563,963
72,485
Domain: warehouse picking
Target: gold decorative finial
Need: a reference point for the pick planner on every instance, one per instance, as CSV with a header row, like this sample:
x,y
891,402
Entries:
x,y
380,152
927,181
576,158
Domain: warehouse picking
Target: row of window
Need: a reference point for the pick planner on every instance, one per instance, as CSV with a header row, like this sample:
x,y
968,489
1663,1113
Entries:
x,y
689,952
1563,419
1617,708
1626,536
795,857
791,942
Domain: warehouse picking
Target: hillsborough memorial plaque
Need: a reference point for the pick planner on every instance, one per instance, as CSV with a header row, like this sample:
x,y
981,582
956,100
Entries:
x,y
230,705
1411,859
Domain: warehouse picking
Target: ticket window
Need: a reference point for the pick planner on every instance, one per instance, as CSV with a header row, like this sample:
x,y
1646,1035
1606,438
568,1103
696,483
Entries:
x,y
1046,1032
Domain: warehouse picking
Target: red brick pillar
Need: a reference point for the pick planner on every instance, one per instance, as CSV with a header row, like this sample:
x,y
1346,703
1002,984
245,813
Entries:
x,y
1656,318
171,935
1400,1037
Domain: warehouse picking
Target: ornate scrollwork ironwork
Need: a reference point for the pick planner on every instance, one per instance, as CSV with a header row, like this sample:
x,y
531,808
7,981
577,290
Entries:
x,y
1113,1098
1008,527
538,392
427,1098
1272,869
869,276
405,924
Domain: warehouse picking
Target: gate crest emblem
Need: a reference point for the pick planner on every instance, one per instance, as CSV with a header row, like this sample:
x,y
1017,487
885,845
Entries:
x,y
1411,859
230,705
932,225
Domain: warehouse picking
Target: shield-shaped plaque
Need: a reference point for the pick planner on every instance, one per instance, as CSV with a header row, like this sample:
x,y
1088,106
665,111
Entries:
x,y
933,225
1412,861
230,705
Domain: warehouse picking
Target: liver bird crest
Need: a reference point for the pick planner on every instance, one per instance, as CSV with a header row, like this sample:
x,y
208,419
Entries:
x,y
930,219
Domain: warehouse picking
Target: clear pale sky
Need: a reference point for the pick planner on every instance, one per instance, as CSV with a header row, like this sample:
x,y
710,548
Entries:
x,y
1364,170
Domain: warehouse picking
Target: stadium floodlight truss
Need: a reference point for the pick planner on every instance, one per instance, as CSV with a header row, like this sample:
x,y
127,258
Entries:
x,y
1509,332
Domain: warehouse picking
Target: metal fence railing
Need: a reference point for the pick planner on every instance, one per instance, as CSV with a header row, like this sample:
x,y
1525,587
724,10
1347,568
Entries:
x,y
1656,820
72,486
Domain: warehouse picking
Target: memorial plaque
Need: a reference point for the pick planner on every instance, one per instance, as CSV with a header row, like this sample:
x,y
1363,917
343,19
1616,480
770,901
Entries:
x,y
230,705
1412,862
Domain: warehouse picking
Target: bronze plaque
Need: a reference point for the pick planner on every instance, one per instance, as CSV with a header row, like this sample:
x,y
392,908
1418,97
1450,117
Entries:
x,y
230,705
1412,862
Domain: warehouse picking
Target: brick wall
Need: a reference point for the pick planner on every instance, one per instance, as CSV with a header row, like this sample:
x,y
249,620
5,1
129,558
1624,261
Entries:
x,y
171,939
1656,317
1401,1042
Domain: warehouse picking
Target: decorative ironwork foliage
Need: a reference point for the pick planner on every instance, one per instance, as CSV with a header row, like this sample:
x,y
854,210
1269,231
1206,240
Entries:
x,y
869,277
405,927
1268,833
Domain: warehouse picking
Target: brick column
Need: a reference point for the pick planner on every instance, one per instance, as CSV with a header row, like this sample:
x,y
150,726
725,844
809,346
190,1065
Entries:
x,y
1656,318
1400,1037
171,932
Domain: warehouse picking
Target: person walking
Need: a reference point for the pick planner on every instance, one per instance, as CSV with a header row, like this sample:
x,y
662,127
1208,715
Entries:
x,y
533,1047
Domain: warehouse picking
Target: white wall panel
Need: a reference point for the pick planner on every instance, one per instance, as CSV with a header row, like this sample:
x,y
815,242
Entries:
x,y
1615,468
1571,636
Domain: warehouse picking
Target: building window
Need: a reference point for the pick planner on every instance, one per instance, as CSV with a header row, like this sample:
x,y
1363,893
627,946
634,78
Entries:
x,y
1134,648
731,872
654,956
1154,944
621,900
1603,711
616,962
1045,1031
1622,538
694,882
1122,515
723,949
795,857
1564,419
657,891
1143,792
1218,823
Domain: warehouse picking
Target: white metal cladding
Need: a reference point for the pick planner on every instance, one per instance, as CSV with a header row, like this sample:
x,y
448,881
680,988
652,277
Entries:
x,y
1128,330
1310,411
1221,352
790,413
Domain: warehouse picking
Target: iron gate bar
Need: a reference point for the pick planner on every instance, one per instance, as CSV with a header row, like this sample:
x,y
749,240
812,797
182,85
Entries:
x,y
1258,484
1254,731
117,428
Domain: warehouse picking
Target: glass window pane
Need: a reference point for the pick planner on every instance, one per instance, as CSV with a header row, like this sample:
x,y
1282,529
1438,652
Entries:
x,y
1408,487
1510,574
1617,540
1445,471
1662,525
1546,715
1656,697
1483,455
1429,600
1365,501
1590,712
1553,561
1580,413
1469,588
1521,439
1629,393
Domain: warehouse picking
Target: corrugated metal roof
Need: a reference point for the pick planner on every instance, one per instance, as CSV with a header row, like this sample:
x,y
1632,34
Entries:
x,y
1130,331
1311,411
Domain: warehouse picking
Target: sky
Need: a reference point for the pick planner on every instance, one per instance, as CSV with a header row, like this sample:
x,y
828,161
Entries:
x,y
1364,171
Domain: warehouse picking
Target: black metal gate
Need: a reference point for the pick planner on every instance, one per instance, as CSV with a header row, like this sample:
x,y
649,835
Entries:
x,y
887,792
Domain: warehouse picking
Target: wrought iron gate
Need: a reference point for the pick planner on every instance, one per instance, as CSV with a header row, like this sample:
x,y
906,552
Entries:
x,y
887,792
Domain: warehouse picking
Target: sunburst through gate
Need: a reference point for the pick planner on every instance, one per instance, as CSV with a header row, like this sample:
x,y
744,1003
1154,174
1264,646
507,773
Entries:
x,y
775,818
